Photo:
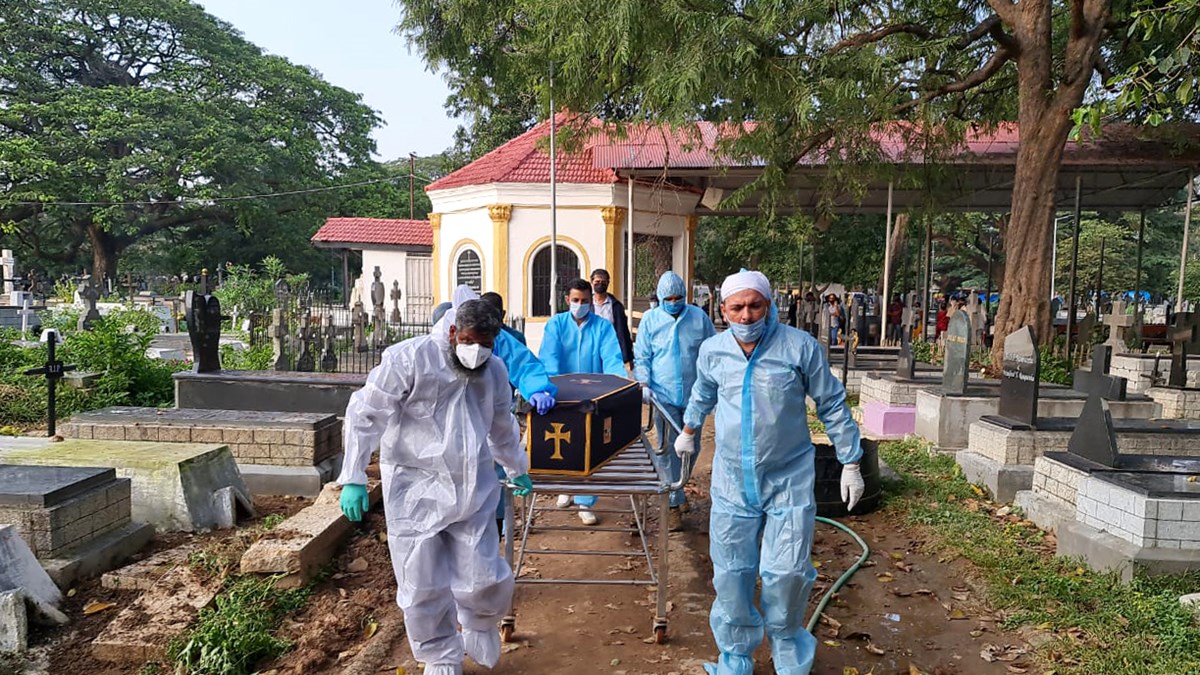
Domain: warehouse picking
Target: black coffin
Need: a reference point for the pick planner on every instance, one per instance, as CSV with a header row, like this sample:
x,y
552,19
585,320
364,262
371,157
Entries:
x,y
597,416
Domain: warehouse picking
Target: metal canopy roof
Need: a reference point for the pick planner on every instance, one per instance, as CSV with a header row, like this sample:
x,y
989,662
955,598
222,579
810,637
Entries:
x,y
1123,169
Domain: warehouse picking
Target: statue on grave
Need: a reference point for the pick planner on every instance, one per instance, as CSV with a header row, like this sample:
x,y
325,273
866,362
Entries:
x,y
378,312
279,331
204,330
395,295
89,294
329,359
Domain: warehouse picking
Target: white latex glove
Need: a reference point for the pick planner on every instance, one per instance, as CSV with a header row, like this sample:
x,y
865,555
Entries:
x,y
684,446
853,486
647,395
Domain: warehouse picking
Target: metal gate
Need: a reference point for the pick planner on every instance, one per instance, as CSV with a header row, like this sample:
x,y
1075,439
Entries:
x,y
419,273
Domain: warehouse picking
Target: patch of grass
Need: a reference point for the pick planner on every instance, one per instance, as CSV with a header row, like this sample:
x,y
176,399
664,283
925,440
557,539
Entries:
x,y
271,521
238,631
1101,625
13,664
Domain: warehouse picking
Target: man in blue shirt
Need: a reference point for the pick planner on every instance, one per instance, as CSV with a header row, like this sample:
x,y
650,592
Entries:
x,y
669,338
579,341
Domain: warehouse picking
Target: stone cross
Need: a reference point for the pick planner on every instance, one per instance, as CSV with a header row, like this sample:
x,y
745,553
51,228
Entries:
x,y
1118,323
279,331
906,365
979,318
204,330
306,361
329,359
1185,339
8,269
1097,381
360,327
89,294
203,289
53,371
395,296
25,314
130,287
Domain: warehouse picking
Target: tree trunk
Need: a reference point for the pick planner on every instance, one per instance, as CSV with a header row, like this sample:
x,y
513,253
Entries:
x,y
104,254
899,236
1045,104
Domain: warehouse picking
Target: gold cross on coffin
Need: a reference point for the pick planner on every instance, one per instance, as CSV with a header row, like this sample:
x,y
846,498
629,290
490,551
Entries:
x,y
584,380
558,436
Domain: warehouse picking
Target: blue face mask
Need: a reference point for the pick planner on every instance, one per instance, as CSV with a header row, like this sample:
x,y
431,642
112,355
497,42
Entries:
x,y
749,332
580,309
673,308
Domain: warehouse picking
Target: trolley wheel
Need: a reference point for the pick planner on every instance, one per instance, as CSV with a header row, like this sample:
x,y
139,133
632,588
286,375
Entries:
x,y
660,635
506,630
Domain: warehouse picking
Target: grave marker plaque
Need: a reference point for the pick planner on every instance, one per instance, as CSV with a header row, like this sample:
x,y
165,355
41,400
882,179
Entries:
x,y
1020,378
957,364
89,294
204,331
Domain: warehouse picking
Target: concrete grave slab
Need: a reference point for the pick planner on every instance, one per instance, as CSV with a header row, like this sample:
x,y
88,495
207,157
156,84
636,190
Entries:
x,y
14,623
327,393
45,486
142,631
175,486
19,568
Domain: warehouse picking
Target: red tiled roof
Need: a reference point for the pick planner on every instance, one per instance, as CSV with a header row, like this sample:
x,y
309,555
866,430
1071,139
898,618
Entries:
x,y
380,231
526,159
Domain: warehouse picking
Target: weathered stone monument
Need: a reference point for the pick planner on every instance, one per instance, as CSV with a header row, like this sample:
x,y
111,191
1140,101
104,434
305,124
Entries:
x,y
1185,339
395,295
1118,323
279,333
378,310
8,269
1098,381
957,365
359,322
329,358
306,360
89,294
204,331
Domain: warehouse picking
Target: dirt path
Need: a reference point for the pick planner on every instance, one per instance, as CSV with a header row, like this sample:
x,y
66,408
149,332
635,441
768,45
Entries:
x,y
904,611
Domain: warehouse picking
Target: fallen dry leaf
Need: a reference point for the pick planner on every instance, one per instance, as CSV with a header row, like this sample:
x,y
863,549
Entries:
x,y
1016,669
957,615
832,643
896,556
370,629
849,670
885,578
877,651
358,565
913,670
95,606
902,566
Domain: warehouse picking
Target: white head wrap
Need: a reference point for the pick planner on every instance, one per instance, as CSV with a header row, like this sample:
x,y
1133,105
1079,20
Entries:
x,y
744,280
461,294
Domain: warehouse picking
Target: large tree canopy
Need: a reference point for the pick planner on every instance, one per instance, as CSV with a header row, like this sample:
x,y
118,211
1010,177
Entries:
x,y
815,76
125,119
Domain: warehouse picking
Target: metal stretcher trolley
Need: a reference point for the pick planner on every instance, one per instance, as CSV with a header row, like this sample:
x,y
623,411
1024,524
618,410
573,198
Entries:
x,y
633,474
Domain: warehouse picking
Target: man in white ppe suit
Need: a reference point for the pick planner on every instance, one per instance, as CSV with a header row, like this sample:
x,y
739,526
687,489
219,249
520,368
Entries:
x,y
757,375
438,406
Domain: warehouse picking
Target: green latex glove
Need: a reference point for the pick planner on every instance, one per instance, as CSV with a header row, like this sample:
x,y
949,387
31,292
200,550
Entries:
x,y
524,485
354,501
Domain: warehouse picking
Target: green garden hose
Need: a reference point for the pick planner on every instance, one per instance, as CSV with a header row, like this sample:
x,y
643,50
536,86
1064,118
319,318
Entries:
x,y
837,585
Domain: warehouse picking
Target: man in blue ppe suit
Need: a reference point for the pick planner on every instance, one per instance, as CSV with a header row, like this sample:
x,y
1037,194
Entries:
x,y
438,407
757,375
579,341
668,343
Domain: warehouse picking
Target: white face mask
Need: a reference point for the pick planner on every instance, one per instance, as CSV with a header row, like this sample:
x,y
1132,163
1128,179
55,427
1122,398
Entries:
x,y
472,356
580,309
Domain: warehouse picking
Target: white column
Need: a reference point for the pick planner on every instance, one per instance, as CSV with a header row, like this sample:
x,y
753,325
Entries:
x,y
887,259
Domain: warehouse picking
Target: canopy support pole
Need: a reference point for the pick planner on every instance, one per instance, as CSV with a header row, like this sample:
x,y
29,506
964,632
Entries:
x,y
887,253
629,254
553,200
1074,266
1183,250
1137,278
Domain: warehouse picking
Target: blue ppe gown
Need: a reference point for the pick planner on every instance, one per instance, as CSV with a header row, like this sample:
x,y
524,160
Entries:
x,y
588,347
664,358
763,509
527,375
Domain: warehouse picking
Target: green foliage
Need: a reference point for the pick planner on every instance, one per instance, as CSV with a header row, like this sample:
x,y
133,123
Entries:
x,y
272,521
926,352
254,290
257,357
1055,368
115,348
1099,624
237,632
179,106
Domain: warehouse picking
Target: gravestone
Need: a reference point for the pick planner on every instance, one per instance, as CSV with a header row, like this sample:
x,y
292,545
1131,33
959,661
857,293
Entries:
x,y
26,314
824,323
975,312
1185,339
957,363
329,359
378,312
1085,327
395,295
204,331
1094,437
8,268
1020,378
279,331
1097,381
360,327
306,361
89,294
1118,323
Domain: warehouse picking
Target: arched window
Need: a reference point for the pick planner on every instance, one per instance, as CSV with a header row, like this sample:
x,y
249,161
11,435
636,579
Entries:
x,y
568,269
468,269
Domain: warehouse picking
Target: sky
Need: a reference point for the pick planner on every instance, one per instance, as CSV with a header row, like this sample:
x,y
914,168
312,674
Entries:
x,y
352,44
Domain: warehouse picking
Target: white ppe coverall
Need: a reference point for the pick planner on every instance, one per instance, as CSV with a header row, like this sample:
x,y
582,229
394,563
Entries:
x,y
762,517
439,431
